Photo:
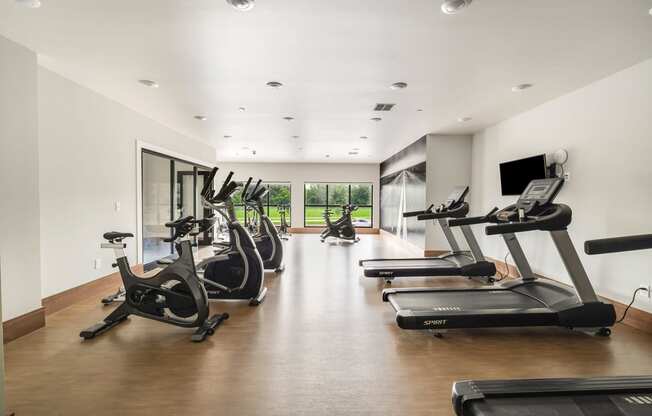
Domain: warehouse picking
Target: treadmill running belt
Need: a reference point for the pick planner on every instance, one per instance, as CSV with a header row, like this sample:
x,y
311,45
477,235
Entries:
x,y
464,300
407,263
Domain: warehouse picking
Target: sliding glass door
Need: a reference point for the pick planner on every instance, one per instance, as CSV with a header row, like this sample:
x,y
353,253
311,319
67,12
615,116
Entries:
x,y
157,207
171,190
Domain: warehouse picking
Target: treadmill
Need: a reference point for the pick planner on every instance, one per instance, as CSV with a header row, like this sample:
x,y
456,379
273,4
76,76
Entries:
x,y
613,396
527,301
470,264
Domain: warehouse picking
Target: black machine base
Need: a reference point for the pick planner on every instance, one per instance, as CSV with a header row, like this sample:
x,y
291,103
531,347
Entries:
x,y
120,315
613,396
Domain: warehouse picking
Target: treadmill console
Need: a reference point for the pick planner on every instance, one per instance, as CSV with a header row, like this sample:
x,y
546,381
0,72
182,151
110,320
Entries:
x,y
534,201
455,198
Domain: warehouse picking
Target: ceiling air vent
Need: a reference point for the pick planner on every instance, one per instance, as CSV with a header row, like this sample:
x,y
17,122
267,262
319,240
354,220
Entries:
x,y
384,107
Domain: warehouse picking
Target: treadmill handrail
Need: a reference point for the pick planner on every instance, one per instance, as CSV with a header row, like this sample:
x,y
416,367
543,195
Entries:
x,y
456,222
618,244
416,213
458,212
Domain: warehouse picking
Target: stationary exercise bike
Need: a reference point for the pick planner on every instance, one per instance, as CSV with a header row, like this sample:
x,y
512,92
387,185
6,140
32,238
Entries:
x,y
175,295
284,227
267,239
236,270
342,228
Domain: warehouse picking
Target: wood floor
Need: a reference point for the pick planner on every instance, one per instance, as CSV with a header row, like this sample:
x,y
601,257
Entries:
x,y
323,343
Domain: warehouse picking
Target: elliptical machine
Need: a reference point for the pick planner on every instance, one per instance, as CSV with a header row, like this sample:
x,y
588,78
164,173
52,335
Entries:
x,y
267,239
175,295
342,228
236,270
284,228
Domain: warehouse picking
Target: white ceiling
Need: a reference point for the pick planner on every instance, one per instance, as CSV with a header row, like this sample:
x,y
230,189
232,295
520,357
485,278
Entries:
x,y
336,58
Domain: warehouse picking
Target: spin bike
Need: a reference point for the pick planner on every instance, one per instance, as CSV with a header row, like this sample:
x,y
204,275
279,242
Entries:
x,y
342,228
235,271
175,295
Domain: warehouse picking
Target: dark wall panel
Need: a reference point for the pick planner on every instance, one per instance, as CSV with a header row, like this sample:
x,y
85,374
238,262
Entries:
x,y
403,190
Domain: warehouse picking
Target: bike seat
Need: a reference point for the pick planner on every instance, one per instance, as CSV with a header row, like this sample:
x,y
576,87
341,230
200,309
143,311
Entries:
x,y
115,235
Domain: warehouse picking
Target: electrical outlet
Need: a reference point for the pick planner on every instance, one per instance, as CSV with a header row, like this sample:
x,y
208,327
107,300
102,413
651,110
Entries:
x,y
648,288
97,264
116,205
566,176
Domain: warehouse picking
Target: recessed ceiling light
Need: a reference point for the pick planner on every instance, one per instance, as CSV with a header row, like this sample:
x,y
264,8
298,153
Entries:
x,y
201,118
274,84
464,119
419,109
242,109
398,85
364,137
242,5
376,119
353,153
521,87
295,137
454,6
226,136
288,118
148,83
32,4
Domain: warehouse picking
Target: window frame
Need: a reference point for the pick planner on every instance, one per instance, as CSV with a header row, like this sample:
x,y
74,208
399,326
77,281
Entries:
x,y
327,205
267,205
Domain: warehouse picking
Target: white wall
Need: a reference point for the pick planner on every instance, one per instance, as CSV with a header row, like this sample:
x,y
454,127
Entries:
x,y
19,176
299,173
88,162
448,165
607,129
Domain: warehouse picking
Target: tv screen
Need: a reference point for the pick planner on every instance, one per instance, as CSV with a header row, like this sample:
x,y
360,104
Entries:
x,y
517,174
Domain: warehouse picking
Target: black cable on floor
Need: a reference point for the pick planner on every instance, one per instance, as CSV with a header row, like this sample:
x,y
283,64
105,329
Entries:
x,y
504,275
630,304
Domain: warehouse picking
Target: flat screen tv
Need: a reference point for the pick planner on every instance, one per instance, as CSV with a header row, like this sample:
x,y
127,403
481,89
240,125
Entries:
x,y
517,174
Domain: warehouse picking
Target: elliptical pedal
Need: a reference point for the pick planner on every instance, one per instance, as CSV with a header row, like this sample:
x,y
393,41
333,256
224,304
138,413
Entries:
x,y
208,327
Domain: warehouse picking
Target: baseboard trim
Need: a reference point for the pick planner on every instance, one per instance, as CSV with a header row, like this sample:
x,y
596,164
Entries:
x,y
317,230
31,321
636,318
23,325
98,288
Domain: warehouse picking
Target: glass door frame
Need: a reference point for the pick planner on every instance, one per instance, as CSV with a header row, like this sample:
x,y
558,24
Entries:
x,y
141,149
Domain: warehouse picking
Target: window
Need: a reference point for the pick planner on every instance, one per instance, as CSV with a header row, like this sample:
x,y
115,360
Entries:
x,y
279,194
319,197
